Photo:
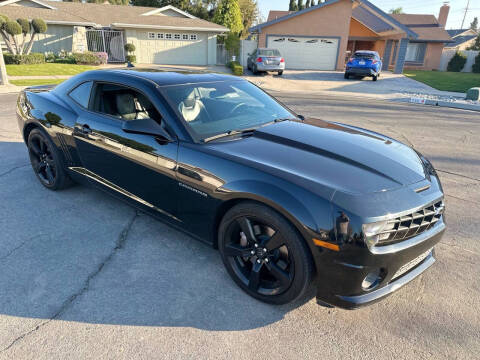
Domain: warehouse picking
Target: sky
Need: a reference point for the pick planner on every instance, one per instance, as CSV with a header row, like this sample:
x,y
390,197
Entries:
x,y
457,8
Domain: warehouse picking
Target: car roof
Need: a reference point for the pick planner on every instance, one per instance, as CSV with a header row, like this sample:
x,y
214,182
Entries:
x,y
171,77
366,52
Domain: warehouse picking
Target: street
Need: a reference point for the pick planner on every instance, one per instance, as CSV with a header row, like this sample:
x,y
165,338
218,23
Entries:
x,y
83,275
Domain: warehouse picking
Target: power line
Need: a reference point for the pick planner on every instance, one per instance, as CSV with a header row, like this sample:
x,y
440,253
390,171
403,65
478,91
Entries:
x,y
465,15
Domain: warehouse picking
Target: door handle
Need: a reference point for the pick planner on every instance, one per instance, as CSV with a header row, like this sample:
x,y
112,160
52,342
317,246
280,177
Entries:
x,y
85,129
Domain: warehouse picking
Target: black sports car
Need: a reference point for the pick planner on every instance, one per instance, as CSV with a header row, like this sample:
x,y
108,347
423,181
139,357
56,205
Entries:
x,y
286,200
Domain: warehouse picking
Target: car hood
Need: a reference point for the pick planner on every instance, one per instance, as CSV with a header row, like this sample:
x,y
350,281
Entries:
x,y
325,157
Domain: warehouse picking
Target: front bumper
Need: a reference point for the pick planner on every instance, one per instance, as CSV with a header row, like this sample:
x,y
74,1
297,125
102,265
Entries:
x,y
361,71
341,274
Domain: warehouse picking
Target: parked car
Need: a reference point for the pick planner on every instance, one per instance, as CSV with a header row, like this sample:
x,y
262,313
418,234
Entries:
x,y
364,63
286,200
265,60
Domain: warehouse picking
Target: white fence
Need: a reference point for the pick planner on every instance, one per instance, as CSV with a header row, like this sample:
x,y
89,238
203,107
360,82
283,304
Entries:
x,y
448,54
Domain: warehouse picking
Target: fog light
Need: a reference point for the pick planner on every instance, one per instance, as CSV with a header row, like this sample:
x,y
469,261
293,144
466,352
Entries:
x,y
372,280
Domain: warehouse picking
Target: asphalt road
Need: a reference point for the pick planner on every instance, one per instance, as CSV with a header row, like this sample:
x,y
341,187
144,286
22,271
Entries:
x,y
83,275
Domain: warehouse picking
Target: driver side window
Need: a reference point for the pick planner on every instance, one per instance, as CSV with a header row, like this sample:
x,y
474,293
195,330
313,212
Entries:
x,y
123,103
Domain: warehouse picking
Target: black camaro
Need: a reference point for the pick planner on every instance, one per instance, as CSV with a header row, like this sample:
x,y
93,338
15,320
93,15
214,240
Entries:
x,y
286,200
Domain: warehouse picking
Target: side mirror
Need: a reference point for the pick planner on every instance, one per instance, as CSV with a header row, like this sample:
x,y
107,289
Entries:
x,y
146,127
301,117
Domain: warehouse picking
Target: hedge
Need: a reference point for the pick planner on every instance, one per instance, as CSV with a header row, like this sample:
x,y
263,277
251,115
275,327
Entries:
x,y
32,58
476,66
457,62
237,69
90,58
130,58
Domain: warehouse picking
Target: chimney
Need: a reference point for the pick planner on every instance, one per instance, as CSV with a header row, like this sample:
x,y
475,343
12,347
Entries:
x,y
443,15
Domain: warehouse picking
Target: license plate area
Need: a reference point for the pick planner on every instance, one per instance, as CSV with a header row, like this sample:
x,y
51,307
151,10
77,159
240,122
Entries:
x,y
411,264
361,63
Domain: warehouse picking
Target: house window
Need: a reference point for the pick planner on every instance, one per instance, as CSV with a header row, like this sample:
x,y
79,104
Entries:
x,y
176,36
184,36
415,52
151,35
193,37
161,36
168,36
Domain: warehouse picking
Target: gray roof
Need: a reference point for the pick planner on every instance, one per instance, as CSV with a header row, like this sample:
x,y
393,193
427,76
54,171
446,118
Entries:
x,y
106,15
455,32
459,40
370,20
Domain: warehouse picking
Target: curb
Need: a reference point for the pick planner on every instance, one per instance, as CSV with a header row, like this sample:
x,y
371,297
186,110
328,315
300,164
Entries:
x,y
442,103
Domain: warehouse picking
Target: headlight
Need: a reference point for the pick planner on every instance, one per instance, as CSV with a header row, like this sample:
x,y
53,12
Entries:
x,y
372,232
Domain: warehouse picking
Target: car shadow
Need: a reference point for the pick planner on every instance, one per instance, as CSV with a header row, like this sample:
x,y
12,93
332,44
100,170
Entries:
x,y
82,255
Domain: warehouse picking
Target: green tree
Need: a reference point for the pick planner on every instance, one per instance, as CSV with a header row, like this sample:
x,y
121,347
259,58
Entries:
x,y
457,62
292,6
476,45
228,14
307,4
300,5
398,10
474,24
10,30
250,13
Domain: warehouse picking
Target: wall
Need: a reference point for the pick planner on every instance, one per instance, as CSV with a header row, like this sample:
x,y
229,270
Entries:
x,y
448,54
57,37
331,20
79,39
432,58
360,30
246,47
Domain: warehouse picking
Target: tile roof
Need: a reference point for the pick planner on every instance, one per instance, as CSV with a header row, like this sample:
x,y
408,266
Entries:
x,y
370,20
459,40
426,26
105,15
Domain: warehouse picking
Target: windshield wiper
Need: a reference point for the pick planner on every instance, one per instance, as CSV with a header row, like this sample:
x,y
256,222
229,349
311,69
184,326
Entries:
x,y
230,133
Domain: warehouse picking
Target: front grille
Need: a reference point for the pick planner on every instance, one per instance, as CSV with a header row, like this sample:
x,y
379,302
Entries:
x,y
410,225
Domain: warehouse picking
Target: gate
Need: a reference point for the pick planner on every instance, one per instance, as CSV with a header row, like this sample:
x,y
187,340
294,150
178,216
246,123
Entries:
x,y
108,41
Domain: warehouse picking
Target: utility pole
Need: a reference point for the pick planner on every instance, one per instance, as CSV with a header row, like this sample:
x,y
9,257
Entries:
x,y
465,15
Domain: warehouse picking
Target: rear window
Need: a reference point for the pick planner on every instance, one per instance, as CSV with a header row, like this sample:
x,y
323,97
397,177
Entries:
x,y
367,56
81,94
269,52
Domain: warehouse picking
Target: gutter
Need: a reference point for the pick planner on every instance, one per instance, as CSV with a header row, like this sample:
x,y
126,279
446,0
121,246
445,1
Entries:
x,y
75,23
164,27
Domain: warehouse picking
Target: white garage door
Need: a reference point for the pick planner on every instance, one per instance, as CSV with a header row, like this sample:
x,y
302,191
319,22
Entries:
x,y
172,48
312,53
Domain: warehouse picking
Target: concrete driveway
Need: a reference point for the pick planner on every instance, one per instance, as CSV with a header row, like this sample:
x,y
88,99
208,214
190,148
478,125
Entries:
x,y
82,275
388,86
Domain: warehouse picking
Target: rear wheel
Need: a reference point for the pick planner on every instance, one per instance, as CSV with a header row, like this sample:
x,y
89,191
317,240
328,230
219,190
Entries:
x,y
375,77
346,76
280,73
254,70
264,254
46,161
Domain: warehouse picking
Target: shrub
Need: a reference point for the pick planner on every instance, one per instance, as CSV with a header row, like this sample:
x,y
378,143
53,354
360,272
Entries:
x,y
50,57
12,28
26,59
131,58
24,24
90,58
39,26
457,62
476,66
129,47
237,69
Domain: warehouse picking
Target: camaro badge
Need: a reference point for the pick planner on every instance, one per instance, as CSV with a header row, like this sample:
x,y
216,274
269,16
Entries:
x,y
192,189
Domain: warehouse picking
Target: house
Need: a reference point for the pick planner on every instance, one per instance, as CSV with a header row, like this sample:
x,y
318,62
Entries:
x,y
164,35
322,37
463,39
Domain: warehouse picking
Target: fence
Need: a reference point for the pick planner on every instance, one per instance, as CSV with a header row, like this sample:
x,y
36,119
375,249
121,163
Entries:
x,y
109,41
246,47
448,54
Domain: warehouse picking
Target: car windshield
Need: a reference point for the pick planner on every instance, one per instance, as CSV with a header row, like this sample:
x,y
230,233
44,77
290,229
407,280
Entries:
x,y
210,109
366,56
269,52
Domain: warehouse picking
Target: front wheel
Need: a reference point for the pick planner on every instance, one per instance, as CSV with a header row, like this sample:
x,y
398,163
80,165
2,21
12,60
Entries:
x,y
375,77
280,73
264,254
346,76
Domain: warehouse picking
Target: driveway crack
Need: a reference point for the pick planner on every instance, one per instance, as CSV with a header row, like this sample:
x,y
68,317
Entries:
x,y
120,243
19,246
13,169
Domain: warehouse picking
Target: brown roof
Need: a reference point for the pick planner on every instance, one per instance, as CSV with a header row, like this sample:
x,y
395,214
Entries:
x,y
105,15
426,26
275,14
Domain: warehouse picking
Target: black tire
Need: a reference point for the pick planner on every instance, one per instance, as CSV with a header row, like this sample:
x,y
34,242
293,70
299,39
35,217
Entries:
x,y
46,161
346,76
280,73
277,271
254,70
375,77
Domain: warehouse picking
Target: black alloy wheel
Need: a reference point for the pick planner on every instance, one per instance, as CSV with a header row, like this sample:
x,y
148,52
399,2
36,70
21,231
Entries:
x,y
264,254
45,160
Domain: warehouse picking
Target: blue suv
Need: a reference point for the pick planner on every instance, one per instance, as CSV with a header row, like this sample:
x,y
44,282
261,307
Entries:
x,y
364,63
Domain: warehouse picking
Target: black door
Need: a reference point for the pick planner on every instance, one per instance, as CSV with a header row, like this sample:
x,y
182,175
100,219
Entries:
x,y
135,165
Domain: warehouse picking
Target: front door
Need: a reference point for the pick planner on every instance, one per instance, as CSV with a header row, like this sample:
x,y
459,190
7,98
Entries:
x,y
135,165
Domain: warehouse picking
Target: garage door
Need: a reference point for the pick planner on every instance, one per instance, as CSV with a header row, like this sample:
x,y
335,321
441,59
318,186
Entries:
x,y
313,53
172,48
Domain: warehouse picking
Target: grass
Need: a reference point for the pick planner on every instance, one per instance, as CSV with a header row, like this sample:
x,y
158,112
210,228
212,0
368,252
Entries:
x,y
32,82
47,69
445,81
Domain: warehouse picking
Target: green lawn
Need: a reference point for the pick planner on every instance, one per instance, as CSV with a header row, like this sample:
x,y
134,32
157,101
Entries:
x,y
445,81
47,69
32,82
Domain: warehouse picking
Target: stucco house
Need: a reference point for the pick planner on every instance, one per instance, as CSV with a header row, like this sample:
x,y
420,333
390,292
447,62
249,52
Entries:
x,y
322,37
463,39
161,35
